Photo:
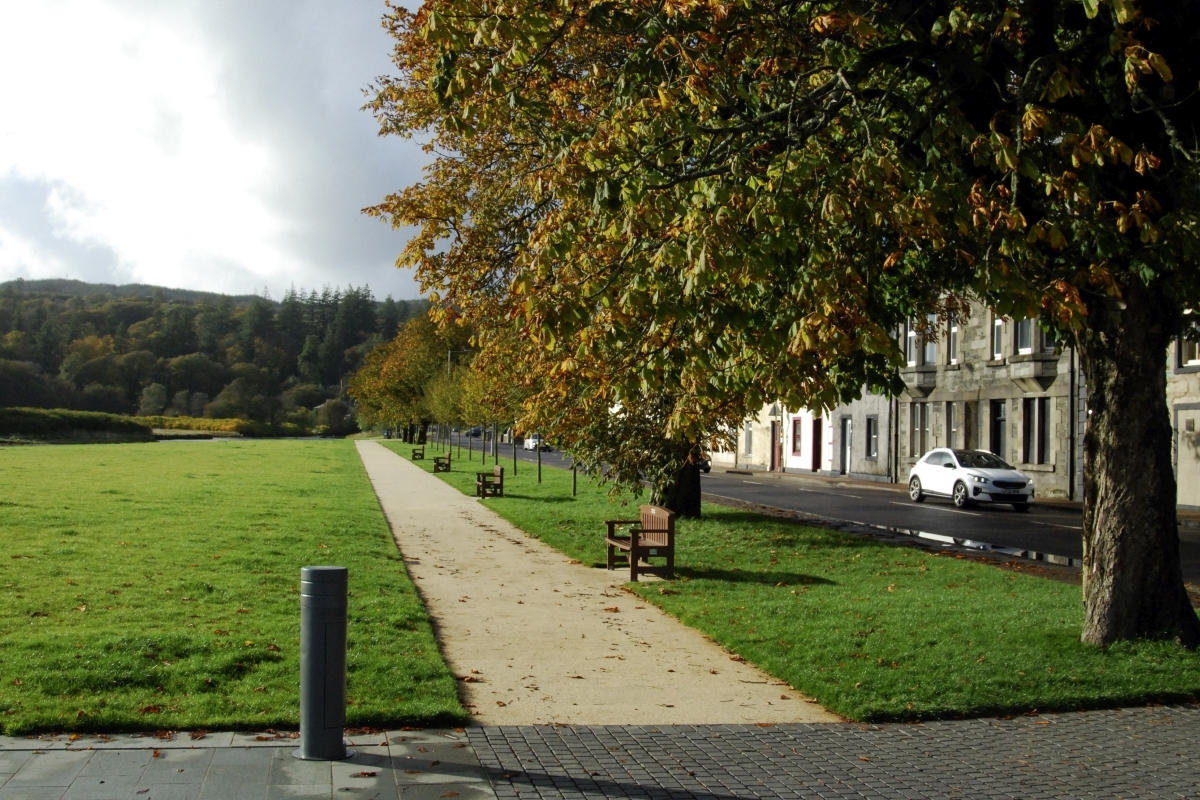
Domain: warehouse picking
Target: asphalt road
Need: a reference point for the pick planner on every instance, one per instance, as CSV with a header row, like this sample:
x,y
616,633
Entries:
x,y
1041,529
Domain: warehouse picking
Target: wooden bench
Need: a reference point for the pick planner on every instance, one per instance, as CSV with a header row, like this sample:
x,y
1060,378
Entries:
x,y
490,484
418,453
441,463
652,535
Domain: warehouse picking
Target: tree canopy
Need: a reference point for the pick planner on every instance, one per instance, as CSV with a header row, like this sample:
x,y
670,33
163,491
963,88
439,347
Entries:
x,y
722,203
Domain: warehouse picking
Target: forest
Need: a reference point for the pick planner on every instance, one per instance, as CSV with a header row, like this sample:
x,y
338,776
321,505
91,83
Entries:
x,y
153,351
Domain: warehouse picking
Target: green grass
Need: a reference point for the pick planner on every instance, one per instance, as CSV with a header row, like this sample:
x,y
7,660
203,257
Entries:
x,y
873,631
152,586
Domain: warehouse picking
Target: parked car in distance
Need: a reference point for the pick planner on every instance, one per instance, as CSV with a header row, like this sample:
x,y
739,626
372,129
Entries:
x,y
969,476
476,431
705,463
534,441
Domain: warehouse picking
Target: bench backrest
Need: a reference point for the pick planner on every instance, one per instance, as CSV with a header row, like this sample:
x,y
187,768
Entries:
x,y
657,518
498,472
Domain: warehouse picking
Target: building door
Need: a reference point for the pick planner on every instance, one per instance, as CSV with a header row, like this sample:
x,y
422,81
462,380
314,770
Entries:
x,y
775,446
999,426
847,449
1187,457
816,448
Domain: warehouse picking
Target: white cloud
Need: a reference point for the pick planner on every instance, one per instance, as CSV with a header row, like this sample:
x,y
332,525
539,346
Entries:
x,y
213,145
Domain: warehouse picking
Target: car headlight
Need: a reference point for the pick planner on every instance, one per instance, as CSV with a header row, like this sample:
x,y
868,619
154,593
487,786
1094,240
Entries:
x,y
979,479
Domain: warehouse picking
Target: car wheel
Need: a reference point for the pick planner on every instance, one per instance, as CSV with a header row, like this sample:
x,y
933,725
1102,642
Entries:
x,y
914,490
1021,506
962,498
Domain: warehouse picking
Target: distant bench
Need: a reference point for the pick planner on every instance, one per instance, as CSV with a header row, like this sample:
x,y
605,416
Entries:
x,y
418,453
652,536
441,463
490,484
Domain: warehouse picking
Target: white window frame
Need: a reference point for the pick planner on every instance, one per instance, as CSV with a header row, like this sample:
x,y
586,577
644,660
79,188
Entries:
x,y
748,435
910,345
1024,329
928,342
952,340
997,338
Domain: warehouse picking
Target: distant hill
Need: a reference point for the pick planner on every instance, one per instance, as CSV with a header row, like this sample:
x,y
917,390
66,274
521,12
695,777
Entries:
x,y
72,288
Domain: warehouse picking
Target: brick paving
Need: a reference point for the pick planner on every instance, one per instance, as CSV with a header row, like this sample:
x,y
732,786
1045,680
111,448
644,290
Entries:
x,y
1123,753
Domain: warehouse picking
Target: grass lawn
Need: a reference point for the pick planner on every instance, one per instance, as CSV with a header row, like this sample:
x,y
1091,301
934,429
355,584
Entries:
x,y
155,586
873,631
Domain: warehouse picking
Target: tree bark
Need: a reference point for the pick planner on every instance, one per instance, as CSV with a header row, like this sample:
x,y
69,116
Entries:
x,y
1132,580
682,493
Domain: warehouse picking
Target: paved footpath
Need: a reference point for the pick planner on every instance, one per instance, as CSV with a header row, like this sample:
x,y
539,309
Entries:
x,y
1129,753
538,638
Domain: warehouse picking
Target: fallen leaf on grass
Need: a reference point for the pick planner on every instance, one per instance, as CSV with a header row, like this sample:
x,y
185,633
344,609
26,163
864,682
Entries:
x,y
18,682
149,710
274,648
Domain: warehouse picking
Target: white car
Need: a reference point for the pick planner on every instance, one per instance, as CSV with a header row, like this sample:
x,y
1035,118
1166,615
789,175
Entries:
x,y
969,476
535,441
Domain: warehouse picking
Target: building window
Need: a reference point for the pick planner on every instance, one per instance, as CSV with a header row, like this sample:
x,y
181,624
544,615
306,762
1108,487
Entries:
x,y
997,338
999,424
748,436
872,437
918,429
1035,429
797,436
1049,341
952,340
910,346
951,425
1189,348
1025,336
929,346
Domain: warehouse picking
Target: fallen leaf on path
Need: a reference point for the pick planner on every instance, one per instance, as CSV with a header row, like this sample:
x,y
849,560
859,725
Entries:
x,y
198,734
449,794
612,609
580,677
739,659
863,758
157,753
501,703
363,774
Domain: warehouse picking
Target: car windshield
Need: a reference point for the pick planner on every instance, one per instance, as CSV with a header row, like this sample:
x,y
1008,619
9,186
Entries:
x,y
979,459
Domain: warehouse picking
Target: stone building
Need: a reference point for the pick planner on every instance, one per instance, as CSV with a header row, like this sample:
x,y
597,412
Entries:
x,y
985,382
998,384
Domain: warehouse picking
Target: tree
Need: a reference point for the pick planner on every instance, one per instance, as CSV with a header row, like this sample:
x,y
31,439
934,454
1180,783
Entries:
x,y
737,202
153,400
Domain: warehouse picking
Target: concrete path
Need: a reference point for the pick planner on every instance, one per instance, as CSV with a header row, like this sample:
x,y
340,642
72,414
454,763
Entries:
x,y
536,638
397,765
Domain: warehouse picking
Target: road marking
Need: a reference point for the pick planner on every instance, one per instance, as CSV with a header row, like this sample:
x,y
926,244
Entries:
x,y
835,494
939,508
756,483
1052,525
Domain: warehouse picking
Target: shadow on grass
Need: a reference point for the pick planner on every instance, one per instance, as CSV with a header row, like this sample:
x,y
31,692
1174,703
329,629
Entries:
x,y
738,576
516,496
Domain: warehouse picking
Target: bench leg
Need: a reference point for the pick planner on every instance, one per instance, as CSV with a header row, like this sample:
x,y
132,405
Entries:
x,y
633,566
612,558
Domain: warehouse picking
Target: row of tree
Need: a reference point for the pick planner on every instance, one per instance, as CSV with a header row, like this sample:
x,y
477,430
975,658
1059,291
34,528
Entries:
x,y
256,359
657,217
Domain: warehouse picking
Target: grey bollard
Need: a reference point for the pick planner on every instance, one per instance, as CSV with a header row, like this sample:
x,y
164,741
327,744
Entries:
x,y
322,664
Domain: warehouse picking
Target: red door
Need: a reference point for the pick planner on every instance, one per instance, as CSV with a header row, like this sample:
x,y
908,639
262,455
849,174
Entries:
x,y
775,447
816,448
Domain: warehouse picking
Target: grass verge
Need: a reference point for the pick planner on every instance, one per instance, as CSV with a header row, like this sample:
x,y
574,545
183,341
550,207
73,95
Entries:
x,y
873,631
151,586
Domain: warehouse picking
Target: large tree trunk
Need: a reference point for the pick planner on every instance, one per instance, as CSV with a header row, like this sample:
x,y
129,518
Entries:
x,y
1132,581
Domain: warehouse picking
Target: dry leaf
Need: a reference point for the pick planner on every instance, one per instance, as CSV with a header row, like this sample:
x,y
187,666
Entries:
x,y
363,774
150,710
612,609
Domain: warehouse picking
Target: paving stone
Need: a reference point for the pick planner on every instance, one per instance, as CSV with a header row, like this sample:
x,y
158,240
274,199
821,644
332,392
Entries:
x,y
102,787
435,763
177,766
32,793
12,760
49,769
289,771
167,791
228,781
292,790
117,762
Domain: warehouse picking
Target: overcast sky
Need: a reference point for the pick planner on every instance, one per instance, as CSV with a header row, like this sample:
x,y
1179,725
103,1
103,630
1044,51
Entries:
x,y
204,144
